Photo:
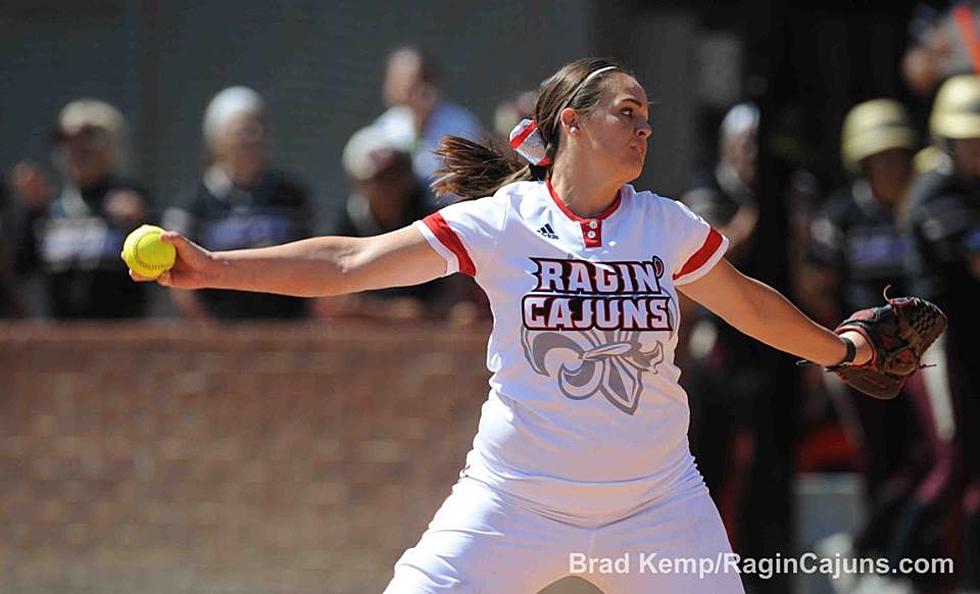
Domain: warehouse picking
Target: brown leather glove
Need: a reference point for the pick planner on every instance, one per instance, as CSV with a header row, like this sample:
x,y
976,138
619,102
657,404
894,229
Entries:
x,y
899,332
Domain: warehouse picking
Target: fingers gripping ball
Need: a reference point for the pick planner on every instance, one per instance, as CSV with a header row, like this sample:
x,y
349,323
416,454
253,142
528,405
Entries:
x,y
146,254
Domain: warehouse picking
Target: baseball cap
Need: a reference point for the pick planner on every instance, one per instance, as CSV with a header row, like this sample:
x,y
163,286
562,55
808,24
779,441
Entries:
x,y
369,152
83,114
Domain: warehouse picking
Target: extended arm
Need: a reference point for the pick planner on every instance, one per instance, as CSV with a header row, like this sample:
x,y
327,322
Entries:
x,y
761,312
313,267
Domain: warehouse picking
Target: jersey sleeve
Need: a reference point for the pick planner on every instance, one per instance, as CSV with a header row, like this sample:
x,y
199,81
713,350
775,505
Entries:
x,y
697,245
465,234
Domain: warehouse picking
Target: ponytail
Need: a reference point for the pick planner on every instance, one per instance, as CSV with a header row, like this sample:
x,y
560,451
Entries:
x,y
473,170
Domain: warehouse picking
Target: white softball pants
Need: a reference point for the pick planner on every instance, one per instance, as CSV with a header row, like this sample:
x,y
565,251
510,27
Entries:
x,y
484,542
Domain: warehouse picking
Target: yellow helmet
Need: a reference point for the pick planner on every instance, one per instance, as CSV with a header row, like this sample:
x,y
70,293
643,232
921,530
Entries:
x,y
956,111
874,127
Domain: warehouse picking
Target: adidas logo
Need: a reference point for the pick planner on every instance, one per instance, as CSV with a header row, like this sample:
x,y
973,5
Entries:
x,y
547,232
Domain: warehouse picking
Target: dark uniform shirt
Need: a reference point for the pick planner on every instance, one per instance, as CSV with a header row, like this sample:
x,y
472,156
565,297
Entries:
x,y
77,246
944,225
859,239
222,217
716,198
356,220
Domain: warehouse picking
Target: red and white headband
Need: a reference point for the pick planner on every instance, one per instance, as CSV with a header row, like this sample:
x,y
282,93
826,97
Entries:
x,y
526,139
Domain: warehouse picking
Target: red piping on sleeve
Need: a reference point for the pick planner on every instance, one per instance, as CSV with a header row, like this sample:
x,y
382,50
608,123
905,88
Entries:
x,y
696,261
447,237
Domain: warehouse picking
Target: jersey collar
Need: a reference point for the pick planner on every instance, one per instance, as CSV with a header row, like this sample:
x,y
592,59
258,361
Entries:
x,y
591,227
571,215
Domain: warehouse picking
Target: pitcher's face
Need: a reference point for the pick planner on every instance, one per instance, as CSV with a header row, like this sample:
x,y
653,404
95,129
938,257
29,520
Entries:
x,y
616,131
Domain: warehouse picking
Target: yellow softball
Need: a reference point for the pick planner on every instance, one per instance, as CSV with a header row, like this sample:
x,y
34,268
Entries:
x,y
146,254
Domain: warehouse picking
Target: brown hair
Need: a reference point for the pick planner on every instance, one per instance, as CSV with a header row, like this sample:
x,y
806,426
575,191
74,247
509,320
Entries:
x,y
474,170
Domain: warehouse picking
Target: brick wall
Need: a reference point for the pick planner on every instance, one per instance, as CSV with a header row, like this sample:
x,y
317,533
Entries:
x,y
163,457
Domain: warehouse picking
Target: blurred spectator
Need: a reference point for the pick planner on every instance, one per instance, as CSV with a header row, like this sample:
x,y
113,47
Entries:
x,y
856,243
944,222
242,202
418,115
511,111
857,248
386,195
725,379
726,196
71,242
943,45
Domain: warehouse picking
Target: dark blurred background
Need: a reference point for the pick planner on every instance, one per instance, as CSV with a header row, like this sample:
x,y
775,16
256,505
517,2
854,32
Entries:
x,y
320,67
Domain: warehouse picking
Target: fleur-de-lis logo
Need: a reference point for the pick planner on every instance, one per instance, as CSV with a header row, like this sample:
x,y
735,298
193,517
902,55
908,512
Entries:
x,y
610,362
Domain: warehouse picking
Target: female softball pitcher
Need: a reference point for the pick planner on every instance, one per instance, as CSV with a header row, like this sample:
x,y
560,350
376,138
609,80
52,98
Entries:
x,y
581,456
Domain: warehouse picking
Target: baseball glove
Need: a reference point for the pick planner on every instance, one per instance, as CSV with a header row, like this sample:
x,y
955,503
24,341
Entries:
x,y
899,332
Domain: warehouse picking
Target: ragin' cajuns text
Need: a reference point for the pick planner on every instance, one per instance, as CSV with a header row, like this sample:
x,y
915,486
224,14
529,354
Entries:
x,y
579,294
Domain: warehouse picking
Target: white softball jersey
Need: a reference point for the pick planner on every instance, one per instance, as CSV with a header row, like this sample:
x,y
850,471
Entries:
x,y
585,420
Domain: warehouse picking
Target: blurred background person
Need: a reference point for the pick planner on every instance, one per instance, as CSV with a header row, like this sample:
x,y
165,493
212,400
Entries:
x,y
510,111
726,196
858,247
725,378
385,196
943,45
944,225
418,115
69,239
241,202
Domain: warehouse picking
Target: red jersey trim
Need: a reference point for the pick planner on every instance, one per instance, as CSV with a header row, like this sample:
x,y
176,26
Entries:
x,y
447,237
711,244
591,227
564,208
